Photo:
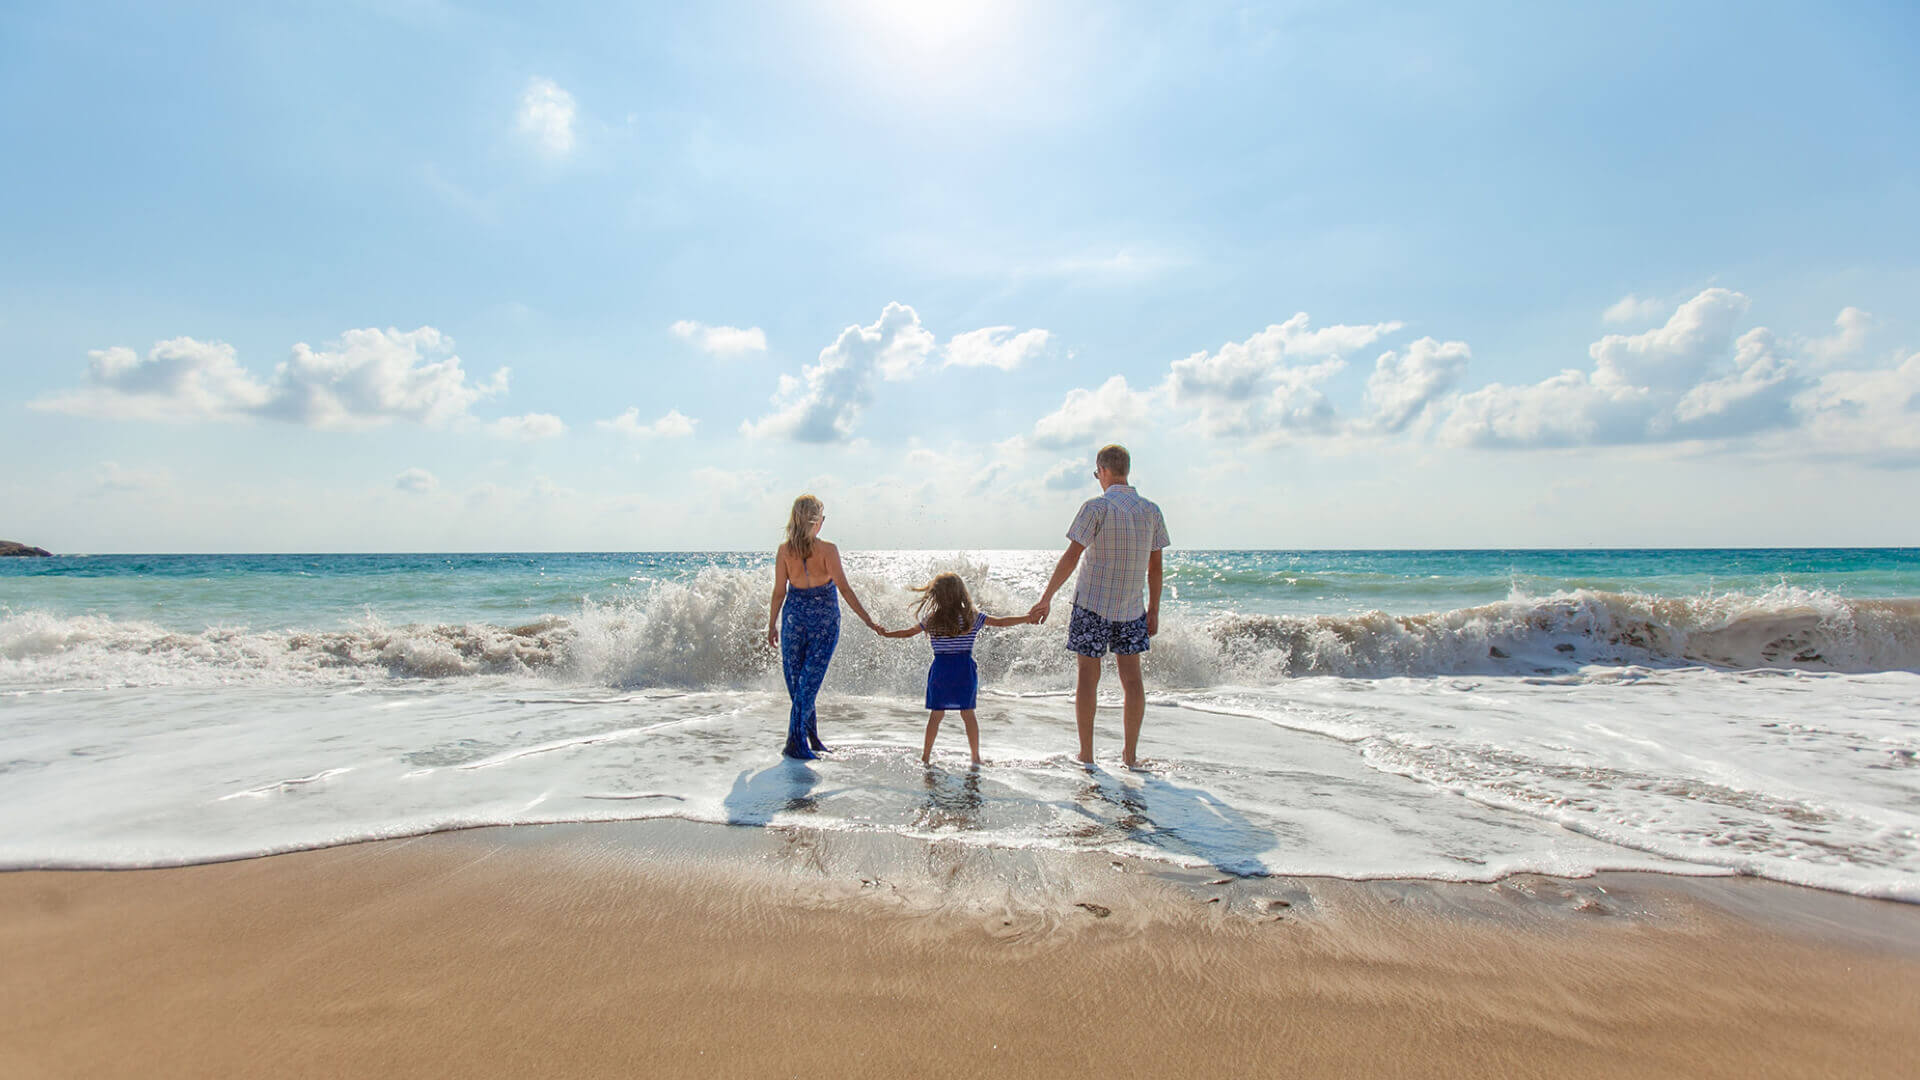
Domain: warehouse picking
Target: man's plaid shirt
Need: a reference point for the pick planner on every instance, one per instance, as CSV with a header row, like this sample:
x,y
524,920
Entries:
x,y
1120,531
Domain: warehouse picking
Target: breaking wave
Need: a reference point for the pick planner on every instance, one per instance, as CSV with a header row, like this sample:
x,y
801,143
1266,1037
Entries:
x,y
709,632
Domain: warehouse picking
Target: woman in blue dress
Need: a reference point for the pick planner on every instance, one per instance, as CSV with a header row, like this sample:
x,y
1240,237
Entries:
x,y
804,622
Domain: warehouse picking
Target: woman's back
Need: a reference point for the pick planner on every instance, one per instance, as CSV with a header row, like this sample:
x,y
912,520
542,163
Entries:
x,y
811,572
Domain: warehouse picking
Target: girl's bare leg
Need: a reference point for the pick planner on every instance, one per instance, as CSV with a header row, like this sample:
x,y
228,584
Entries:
x,y
973,733
933,728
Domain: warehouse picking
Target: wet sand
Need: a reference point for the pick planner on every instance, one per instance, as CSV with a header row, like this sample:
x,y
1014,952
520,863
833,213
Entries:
x,y
663,949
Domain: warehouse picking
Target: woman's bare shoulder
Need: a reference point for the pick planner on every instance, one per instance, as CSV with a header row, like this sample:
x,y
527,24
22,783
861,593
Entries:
x,y
827,547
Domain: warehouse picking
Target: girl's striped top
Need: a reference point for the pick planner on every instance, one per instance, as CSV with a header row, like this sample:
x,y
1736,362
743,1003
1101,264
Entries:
x,y
962,643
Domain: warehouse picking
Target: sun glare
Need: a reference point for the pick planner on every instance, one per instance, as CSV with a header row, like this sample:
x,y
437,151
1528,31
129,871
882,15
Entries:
x,y
930,30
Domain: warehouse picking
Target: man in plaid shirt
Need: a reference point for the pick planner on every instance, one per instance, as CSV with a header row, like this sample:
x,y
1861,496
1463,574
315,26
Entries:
x,y
1123,534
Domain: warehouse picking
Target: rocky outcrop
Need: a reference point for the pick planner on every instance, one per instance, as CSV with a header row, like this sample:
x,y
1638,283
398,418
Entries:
x,y
8,547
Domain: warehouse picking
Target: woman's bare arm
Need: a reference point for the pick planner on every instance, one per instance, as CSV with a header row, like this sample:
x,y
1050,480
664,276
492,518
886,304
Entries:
x,y
839,573
779,595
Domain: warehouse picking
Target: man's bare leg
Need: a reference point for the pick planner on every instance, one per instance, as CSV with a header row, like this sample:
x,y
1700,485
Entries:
x,y
1086,697
1135,708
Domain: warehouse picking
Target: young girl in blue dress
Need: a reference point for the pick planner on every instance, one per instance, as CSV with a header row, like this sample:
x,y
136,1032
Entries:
x,y
947,616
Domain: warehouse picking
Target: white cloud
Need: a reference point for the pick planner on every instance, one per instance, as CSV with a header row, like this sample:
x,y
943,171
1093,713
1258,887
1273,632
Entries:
x,y
1847,340
367,378
1091,417
1067,475
415,481
1757,394
1271,381
671,426
1674,355
825,403
995,346
180,379
1873,415
1402,387
529,428
1676,381
372,377
1633,309
546,117
725,341
1565,410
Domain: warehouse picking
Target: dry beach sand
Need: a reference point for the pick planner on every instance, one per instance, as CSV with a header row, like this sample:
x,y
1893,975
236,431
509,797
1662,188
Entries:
x,y
669,949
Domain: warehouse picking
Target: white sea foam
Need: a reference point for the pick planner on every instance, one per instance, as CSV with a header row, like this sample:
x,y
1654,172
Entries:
x,y
706,633
1771,733
1798,777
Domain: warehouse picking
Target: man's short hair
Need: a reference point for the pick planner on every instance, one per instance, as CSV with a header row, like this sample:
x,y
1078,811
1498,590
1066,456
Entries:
x,y
1114,459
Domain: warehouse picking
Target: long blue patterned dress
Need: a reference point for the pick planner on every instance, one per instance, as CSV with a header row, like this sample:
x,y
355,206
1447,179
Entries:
x,y
809,629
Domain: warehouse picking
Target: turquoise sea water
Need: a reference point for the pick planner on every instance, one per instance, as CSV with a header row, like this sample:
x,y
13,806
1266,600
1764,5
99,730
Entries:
x,y
190,592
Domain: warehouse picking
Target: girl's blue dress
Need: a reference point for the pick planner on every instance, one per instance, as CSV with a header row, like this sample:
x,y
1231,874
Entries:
x,y
953,682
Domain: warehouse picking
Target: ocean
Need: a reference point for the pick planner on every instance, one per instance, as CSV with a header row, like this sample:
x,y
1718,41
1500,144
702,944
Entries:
x,y
1457,715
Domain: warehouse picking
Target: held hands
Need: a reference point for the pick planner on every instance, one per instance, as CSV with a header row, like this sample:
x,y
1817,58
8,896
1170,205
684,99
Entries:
x,y
1038,613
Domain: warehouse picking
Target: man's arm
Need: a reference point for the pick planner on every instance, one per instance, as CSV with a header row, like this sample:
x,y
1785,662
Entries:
x,y
1153,593
1061,572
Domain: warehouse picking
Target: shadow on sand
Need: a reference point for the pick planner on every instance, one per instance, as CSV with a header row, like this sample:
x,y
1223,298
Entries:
x,y
785,787
1188,823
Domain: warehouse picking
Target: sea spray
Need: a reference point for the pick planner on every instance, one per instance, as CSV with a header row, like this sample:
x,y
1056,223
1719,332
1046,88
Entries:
x,y
709,632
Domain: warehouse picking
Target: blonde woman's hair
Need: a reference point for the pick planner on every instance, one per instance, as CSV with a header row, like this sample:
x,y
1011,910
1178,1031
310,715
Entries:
x,y
944,607
807,509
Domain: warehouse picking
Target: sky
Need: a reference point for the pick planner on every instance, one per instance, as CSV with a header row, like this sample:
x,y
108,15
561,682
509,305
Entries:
x,y
436,276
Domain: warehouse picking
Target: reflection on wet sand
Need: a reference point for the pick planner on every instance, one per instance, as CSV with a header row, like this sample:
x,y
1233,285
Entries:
x,y
952,801
1189,823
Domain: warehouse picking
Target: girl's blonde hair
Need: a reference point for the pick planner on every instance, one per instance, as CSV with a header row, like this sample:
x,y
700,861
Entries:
x,y
944,607
807,509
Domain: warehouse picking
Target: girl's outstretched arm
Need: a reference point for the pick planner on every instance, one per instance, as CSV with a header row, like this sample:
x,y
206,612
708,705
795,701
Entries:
x,y
1010,620
908,632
